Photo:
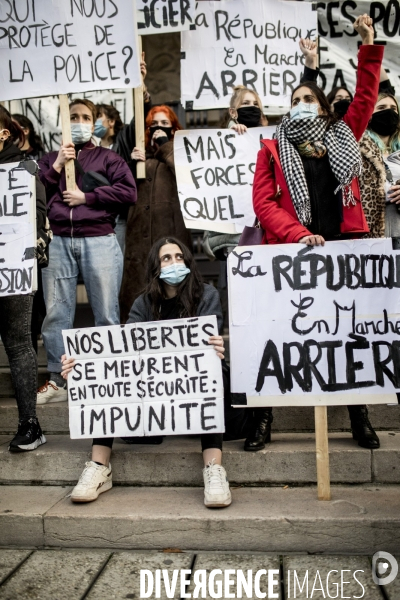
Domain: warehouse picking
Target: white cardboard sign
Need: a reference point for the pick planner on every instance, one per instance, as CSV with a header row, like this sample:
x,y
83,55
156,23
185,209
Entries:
x,y
155,16
315,326
214,172
45,112
17,230
154,378
55,47
238,42
339,43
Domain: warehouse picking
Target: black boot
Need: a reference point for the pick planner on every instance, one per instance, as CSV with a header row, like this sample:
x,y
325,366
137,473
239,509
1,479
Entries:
x,y
261,430
362,429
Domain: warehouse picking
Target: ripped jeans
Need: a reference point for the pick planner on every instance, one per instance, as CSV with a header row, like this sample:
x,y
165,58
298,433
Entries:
x,y
99,261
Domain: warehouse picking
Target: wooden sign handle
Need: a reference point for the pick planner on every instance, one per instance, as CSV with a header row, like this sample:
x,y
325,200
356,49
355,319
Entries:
x,y
322,449
139,123
66,137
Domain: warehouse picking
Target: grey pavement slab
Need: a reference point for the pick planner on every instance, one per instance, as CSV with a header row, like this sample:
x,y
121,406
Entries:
x,y
359,519
329,576
237,562
10,560
21,513
54,417
54,575
290,458
386,460
121,577
392,590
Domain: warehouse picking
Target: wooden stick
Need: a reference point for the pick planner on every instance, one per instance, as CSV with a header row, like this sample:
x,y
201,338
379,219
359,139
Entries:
x,y
66,137
139,122
321,441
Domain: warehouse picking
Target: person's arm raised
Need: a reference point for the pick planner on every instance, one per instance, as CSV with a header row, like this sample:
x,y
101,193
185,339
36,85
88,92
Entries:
x,y
368,72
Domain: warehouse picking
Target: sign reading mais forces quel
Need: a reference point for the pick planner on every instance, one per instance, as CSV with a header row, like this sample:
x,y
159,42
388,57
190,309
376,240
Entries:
x,y
145,379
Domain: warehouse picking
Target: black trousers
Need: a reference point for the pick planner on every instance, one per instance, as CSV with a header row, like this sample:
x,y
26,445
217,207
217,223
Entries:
x,y
15,332
208,440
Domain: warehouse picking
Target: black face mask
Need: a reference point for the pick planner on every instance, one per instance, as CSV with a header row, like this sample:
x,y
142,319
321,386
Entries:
x,y
249,116
384,122
341,107
166,130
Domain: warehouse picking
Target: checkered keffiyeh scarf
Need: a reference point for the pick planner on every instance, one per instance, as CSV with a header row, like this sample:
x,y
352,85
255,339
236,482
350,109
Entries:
x,y
343,153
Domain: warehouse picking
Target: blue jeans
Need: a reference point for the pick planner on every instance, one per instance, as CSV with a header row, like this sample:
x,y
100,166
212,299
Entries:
x,y
120,231
99,260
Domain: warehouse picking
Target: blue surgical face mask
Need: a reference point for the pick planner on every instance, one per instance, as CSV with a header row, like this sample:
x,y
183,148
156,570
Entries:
x,y
99,129
80,133
174,274
304,111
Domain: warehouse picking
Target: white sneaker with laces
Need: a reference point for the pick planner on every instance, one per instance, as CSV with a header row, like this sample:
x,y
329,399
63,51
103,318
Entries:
x,y
95,480
50,392
216,486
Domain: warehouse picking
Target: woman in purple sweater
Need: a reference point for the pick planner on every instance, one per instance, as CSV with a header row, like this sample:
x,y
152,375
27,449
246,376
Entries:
x,y
84,240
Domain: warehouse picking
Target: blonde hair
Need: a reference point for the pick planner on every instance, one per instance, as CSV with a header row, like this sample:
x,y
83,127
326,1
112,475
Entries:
x,y
237,98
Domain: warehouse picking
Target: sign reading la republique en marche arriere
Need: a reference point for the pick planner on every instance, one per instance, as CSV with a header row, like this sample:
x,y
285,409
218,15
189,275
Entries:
x,y
164,17
315,325
237,42
155,378
214,172
17,230
339,42
58,47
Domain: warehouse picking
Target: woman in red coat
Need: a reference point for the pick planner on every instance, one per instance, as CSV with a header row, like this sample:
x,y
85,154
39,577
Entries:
x,y
306,184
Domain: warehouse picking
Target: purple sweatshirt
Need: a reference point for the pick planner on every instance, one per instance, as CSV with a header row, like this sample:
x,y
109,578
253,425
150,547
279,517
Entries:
x,y
97,216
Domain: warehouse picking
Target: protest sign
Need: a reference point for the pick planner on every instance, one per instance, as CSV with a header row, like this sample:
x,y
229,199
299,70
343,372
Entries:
x,y
214,172
164,17
17,230
55,47
236,42
154,378
339,42
315,326
45,112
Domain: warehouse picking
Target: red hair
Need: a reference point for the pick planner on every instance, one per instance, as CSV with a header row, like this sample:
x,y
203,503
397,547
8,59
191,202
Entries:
x,y
170,114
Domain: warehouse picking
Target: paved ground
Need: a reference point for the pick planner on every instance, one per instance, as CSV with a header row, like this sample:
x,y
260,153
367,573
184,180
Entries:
x,y
105,575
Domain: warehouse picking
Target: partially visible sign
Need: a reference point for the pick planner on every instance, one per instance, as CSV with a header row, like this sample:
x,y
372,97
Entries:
x,y
214,172
45,112
155,378
313,326
339,42
164,17
238,42
17,230
57,47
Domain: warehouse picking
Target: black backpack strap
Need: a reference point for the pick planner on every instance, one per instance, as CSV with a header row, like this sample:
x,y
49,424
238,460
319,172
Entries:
x,y
78,166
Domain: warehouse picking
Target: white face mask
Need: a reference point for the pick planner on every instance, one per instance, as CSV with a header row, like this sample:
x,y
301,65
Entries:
x,y
304,111
81,133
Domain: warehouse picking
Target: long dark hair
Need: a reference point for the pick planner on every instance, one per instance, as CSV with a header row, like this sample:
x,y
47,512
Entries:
x,y
329,115
6,122
113,114
331,96
191,289
34,140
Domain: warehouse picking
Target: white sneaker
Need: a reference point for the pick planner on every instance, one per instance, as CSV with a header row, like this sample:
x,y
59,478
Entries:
x,y
95,480
216,486
50,392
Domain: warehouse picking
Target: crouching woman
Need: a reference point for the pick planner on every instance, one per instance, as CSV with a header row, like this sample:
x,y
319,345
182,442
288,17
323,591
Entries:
x,y
174,290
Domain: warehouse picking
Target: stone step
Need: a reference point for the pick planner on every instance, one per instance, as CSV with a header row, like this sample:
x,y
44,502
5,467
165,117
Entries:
x,y
289,459
358,519
6,386
73,574
54,417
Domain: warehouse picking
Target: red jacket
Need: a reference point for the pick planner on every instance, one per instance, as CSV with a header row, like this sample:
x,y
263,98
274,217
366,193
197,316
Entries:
x,y
271,198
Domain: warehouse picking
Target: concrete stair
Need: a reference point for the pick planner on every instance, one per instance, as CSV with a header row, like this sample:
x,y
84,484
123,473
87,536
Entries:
x,y
157,500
